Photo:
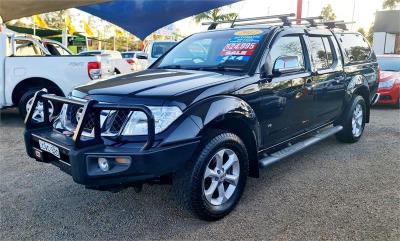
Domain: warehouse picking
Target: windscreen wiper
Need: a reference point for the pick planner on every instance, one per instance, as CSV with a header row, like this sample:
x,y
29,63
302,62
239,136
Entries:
x,y
221,68
172,66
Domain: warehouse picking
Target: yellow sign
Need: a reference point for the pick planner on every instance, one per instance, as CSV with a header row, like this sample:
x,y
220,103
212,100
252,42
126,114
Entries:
x,y
119,32
88,30
248,32
39,21
70,27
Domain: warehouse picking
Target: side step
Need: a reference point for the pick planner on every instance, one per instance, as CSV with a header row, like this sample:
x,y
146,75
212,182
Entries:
x,y
290,150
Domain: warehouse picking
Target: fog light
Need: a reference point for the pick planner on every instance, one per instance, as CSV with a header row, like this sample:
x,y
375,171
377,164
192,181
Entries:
x,y
103,164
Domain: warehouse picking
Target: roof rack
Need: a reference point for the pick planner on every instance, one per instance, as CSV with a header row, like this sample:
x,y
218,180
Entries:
x,y
283,18
337,24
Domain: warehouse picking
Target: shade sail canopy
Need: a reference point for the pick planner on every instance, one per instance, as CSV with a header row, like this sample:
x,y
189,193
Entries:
x,y
142,17
14,9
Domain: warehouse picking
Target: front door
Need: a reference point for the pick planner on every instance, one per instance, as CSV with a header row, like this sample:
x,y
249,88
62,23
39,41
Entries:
x,y
284,105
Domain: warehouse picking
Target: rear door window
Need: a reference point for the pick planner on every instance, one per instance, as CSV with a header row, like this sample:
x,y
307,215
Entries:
x,y
321,52
355,47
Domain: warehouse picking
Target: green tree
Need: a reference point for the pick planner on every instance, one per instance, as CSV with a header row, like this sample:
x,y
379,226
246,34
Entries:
x,y
362,31
327,13
369,35
390,4
215,15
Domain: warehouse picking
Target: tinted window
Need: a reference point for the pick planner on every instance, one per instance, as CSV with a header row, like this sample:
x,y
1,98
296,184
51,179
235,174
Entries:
x,y
328,50
321,52
128,55
159,48
90,53
287,46
355,47
56,49
389,64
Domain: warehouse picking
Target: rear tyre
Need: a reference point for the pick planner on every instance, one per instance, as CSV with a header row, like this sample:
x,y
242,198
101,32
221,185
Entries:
x,y
353,122
26,102
213,183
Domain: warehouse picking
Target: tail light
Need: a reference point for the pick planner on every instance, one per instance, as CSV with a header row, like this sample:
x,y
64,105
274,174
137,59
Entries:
x,y
130,61
94,70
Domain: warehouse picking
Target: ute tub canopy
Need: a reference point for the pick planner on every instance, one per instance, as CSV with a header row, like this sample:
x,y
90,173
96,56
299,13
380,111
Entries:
x,y
139,17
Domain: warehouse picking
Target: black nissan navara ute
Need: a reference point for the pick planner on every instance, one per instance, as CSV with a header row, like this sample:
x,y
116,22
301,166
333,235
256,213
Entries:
x,y
211,111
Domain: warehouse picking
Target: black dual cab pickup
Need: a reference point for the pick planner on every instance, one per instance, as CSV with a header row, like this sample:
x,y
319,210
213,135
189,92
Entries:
x,y
212,111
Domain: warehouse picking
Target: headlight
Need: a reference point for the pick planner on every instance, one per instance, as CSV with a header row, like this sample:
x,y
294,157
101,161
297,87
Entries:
x,y
163,117
387,84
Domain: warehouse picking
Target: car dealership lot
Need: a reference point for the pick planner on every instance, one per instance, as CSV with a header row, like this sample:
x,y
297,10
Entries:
x,y
329,191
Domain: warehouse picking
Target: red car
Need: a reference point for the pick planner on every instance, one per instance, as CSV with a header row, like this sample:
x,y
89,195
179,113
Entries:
x,y
389,83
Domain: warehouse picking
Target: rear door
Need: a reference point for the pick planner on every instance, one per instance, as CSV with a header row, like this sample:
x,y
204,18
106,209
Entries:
x,y
359,59
328,82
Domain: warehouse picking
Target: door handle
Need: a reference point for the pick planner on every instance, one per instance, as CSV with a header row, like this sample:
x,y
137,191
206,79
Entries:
x,y
309,85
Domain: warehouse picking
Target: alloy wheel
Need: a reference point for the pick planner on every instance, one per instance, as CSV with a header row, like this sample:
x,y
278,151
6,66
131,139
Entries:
x,y
221,177
357,121
38,114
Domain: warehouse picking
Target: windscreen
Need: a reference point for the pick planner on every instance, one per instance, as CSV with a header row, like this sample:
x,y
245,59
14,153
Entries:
x,y
389,64
127,55
93,53
233,49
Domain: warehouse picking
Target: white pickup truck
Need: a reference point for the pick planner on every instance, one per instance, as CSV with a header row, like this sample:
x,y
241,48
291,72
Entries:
x,y
27,66
120,65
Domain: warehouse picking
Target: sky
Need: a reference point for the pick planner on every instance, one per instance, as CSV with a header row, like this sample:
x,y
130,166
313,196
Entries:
x,y
364,13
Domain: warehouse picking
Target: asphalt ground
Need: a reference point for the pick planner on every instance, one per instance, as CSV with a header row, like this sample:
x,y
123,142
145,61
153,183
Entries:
x,y
331,191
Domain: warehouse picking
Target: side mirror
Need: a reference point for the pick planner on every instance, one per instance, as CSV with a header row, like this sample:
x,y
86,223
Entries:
x,y
141,56
286,64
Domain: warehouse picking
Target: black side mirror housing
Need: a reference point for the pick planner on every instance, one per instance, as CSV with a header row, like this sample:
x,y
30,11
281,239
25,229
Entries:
x,y
141,56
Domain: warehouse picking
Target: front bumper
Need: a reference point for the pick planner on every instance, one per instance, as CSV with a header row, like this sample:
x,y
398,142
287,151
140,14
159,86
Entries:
x,y
78,155
389,96
145,165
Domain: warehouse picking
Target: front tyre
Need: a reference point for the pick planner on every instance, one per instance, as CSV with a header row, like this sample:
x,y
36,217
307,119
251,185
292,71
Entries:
x,y
353,122
213,183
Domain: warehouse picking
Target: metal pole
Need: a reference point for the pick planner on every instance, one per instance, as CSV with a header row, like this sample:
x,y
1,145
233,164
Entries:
x,y
354,11
127,41
2,27
34,27
299,10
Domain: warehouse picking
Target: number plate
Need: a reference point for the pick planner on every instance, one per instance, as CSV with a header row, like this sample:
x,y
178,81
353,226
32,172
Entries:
x,y
50,148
